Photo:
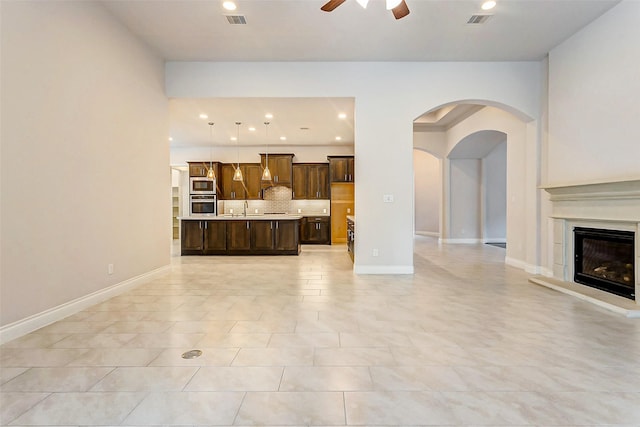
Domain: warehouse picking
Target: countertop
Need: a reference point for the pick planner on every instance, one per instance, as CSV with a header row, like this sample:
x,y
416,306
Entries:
x,y
249,217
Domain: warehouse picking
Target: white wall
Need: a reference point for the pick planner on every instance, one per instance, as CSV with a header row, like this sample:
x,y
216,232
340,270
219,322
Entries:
x,y
466,205
428,190
384,113
85,176
593,101
494,183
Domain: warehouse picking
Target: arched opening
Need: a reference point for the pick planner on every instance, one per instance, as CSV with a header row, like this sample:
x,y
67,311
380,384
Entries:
x,y
484,188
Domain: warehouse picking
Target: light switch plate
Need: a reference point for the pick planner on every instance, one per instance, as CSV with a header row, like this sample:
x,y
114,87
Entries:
x,y
387,198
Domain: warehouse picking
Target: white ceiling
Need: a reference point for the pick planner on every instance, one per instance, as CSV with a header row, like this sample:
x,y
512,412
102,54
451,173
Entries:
x,y
297,30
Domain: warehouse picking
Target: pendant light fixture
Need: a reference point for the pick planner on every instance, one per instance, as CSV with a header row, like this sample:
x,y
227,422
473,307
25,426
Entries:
x,y
210,173
266,173
237,175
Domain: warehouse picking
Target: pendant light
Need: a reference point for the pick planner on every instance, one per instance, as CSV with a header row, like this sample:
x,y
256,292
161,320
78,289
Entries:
x,y
266,173
210,173
237,175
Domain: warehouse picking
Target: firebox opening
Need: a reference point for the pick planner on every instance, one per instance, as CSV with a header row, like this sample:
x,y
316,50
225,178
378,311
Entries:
x,y
604,259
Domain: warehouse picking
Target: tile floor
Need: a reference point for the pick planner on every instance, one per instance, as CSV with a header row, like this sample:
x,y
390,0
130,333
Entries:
x,y
466,341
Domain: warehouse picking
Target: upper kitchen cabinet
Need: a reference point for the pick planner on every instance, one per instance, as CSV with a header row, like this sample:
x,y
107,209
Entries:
x,y
341,168
281,168
230,189
247,189
310,181
200,169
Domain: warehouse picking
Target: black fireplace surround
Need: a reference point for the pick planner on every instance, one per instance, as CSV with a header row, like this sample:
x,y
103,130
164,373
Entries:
x,y
604,259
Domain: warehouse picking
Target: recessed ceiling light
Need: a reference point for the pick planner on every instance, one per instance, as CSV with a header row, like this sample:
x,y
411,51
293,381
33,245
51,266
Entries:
x,y
283,138
252,129
229,5
204,116
233,138
170,139
338,138
342,116
490,4
269,116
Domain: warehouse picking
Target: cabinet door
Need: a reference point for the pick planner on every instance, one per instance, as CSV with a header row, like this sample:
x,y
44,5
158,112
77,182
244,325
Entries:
x,y
324,233
238,235
197,169
283,170
230,189
215,236
318,182
191,236
280,166
252,175
286,235
342,169
300,182
262,235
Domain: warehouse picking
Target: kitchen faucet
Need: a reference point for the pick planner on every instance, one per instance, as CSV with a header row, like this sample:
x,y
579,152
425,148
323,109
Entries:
x,y
246,205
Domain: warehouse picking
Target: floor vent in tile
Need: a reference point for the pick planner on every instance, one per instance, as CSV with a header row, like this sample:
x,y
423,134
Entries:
x,y
192,354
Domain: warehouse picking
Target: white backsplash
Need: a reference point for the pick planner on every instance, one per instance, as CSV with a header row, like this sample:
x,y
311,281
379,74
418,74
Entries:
x,y
276,200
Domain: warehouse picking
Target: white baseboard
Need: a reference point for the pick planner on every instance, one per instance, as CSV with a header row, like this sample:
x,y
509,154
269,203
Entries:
x,y
383,269
428,233
494,240
522,265
546,272
32,323
460,241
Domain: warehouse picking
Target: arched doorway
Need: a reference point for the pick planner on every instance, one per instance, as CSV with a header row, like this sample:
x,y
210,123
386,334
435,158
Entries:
x,y
487,188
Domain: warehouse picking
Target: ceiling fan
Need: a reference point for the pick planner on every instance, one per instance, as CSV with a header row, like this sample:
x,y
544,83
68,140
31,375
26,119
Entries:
x,y
398,7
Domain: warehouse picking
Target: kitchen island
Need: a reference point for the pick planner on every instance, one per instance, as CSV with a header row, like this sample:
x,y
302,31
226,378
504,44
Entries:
x,y
240,235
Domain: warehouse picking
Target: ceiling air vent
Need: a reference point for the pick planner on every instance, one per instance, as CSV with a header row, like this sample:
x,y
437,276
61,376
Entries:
x,y
236,19
478,19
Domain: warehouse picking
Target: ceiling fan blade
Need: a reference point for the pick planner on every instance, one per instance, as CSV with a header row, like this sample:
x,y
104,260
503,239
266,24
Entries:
x,y
331,4
401,10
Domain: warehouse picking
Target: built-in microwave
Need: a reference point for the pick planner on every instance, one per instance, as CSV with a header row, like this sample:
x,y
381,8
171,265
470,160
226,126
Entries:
x,y
203,204
202,185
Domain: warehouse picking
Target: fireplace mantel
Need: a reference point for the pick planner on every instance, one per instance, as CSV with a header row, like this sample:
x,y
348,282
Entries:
x,y
610,205
614,190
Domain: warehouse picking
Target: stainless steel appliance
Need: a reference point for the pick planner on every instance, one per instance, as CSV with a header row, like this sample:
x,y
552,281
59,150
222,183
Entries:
x,y
202,185
203,204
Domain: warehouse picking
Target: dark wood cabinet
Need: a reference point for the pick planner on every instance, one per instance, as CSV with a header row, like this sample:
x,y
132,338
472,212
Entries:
x,y
247,189
300,181
229,189
238,235
310,181
191,241
315,230
342,168
262,235
215,237
203,237
287,238
281,168
252,175
198,169
281,236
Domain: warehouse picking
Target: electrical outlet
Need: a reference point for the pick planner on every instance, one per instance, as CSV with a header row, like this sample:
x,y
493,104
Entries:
x,y
375,252
387,198
110,269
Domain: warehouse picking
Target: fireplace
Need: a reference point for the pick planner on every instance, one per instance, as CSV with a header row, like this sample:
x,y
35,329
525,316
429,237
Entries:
x,y
604,259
